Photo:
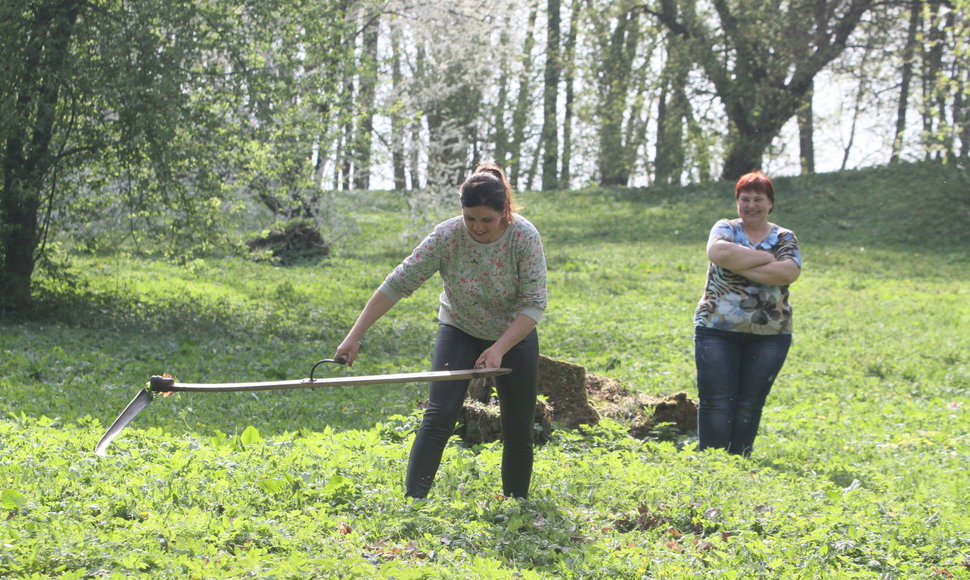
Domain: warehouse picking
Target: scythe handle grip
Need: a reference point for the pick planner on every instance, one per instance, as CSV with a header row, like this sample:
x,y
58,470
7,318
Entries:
x,y
339,361
160,384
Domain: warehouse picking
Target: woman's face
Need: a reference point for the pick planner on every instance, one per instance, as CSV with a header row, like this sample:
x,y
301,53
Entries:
x,y
753,206
483,223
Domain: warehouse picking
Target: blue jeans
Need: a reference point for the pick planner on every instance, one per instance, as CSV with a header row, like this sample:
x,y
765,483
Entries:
x,y
735,371
517,392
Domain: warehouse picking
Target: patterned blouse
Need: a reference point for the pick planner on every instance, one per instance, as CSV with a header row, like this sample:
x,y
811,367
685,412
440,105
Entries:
x,y
733,302
486,286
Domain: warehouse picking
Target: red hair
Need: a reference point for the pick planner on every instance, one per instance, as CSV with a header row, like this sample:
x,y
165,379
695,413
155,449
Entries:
x,y
755,182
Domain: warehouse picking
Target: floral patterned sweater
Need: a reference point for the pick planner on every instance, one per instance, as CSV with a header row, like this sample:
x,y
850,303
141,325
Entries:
x,y
486,286
733,302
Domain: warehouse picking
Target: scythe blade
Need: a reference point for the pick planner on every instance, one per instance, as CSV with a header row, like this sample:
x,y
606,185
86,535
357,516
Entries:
x,y
138,403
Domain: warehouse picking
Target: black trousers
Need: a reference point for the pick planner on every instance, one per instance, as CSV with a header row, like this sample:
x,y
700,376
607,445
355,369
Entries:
x,y
455,350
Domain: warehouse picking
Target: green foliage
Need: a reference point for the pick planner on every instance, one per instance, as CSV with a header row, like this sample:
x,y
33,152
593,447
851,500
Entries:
x,y
157,124
859,471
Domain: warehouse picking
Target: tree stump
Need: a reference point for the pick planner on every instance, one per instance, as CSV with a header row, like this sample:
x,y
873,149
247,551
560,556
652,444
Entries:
x,y
480,422
642,412
564,385
574,398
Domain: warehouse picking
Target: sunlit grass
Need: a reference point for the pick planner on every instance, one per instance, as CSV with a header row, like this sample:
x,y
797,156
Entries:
x,y
859,470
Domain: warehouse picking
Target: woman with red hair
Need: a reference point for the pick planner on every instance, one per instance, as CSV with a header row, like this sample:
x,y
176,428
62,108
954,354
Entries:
x,y
743,322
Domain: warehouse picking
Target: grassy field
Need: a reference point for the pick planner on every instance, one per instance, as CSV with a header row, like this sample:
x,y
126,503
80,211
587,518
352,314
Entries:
x,y
860,469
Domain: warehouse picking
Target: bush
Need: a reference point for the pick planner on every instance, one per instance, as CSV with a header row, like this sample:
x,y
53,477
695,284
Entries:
x,y
290,241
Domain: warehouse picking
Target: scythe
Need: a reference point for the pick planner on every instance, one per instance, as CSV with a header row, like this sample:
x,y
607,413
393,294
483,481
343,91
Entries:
x,y
160,384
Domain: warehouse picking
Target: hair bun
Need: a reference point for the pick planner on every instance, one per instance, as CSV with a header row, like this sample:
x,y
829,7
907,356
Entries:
x,y
490,168
488,186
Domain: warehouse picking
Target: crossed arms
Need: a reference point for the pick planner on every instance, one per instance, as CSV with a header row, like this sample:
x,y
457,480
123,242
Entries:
x,y
758,265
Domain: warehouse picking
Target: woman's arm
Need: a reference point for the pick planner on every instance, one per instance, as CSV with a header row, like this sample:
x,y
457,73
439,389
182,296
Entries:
x,y
377,306
735,257
779,273
403,281
519,329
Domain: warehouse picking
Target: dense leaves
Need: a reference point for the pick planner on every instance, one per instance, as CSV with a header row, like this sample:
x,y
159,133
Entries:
x,y
150,123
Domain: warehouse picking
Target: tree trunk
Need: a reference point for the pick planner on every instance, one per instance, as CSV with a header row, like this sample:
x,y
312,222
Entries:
x,y
613,162
27,158
500,134
520,117
550,126
21,202
961,112
662,160
363,135
932,65
806,133
569,67
701,153
414,157
533,167
745,151
672,112
345,168
906,79
947,131
856,113
397,121
638,119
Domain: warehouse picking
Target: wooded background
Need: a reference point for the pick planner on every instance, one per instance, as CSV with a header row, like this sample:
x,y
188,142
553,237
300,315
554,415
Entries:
x,y
153,122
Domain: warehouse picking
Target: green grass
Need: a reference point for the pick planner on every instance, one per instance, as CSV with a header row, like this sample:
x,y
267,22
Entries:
x,y
860,470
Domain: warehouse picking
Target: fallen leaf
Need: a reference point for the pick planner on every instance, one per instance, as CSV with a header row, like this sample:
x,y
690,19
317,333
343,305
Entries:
x,y
703,546
673,545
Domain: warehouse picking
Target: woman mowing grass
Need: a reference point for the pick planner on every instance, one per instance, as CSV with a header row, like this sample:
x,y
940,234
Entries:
x,y
743,322
493,269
